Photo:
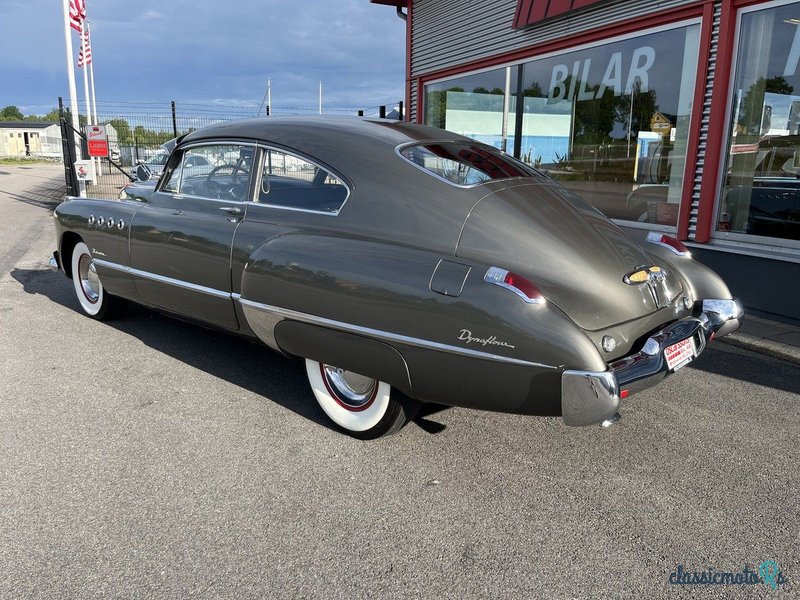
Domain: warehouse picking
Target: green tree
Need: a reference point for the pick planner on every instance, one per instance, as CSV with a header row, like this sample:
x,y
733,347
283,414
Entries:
x,y
124,135
11,113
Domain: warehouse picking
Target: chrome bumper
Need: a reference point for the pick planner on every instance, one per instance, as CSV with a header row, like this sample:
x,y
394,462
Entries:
x,y
592,397
53,262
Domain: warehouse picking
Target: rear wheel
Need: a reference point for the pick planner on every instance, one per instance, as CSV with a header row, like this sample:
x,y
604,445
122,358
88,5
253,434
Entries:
x,y
361,406
93,299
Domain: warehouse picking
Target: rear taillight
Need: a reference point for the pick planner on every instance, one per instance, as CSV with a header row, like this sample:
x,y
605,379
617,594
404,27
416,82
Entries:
x,y
522,287
673,244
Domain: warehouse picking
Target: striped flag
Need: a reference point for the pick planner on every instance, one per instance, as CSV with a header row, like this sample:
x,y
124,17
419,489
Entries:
x,y
77,14
88,58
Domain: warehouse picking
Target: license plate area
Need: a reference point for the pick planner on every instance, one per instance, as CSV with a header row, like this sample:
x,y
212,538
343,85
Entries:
x,y
680,354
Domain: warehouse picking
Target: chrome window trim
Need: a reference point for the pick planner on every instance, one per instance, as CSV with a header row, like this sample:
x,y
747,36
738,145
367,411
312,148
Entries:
x,y
200,143
399,151
265,148
193,197
385,335
313,319
163,279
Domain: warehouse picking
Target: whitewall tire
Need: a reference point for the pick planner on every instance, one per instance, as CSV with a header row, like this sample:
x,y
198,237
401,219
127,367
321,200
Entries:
x,y
92,297
362,407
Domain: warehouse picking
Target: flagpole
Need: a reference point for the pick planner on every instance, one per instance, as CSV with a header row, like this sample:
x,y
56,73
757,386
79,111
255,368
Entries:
x,y
73,94
269,96
320,97
86,88
94,98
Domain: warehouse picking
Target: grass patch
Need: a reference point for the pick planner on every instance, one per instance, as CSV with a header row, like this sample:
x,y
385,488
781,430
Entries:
x,y
25,160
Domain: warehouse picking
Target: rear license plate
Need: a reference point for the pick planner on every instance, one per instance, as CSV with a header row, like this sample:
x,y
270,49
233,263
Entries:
x,y
679,354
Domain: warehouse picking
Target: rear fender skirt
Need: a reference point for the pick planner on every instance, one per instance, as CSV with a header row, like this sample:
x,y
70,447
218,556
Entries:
x,y
352,352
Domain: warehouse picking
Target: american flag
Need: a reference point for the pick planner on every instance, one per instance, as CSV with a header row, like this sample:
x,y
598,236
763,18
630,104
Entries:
x,y
88,58
77,14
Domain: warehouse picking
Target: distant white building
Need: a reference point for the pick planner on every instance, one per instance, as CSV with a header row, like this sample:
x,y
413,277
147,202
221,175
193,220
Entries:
x,y
30,138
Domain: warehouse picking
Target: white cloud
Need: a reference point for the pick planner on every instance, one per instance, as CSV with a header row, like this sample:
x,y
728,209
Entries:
x,y
205,50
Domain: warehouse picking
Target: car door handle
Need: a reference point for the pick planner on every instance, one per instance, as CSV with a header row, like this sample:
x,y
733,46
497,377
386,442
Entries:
x,y
231,210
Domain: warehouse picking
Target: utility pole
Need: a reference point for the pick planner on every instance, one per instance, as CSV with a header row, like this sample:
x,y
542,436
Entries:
x,y
320,97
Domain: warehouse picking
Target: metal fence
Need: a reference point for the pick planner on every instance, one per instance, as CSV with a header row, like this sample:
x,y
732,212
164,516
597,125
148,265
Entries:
x,y
137,130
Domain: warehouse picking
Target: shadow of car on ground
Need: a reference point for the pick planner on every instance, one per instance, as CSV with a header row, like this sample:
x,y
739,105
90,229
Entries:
x,y
228,357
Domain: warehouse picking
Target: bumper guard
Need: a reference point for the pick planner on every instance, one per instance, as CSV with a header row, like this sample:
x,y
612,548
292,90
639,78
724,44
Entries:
x,y
592,397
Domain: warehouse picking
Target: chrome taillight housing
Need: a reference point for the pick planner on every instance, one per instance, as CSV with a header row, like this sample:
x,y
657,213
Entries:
x,y
673,244
522,287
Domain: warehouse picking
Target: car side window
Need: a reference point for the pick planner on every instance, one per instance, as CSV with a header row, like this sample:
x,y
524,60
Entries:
x,y
289,181
217,171
214,171
173,179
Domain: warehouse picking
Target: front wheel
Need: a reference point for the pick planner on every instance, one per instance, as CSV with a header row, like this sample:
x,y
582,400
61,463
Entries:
x,y
93,299
361,406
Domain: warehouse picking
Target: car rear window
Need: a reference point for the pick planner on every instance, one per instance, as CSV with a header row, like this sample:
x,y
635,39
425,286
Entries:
x,y
463,163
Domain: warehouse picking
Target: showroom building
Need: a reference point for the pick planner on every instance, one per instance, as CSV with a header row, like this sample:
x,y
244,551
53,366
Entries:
x,y
681,116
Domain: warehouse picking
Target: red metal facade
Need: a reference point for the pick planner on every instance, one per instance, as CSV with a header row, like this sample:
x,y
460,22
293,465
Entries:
x,y
534,11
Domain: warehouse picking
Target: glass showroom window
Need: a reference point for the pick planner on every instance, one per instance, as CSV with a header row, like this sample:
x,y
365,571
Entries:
x,y
760,186
610,122
474,106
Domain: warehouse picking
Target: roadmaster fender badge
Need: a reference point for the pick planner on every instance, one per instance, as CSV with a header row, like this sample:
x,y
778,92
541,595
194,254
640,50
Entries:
x,y
654,277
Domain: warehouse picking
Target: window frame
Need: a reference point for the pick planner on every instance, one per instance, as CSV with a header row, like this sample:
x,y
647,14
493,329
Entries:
x,y
679,24
734,238
182,151
264,148
399,151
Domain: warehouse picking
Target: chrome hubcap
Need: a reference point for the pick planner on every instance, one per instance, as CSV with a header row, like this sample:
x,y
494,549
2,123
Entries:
x,y
353,390
90,282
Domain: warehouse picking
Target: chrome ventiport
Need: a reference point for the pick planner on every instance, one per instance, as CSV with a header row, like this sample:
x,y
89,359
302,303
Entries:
x,y
92,219
110,222
120,224
101,220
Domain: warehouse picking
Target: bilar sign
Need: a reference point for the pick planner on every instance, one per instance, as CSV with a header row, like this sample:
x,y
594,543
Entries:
x,y
620,75
97,140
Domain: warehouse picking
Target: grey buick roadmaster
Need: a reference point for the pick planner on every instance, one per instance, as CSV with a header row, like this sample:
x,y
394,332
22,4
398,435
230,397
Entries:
x,y
405,264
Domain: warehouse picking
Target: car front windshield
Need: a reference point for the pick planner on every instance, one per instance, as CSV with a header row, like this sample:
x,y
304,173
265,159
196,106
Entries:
x,y
463,163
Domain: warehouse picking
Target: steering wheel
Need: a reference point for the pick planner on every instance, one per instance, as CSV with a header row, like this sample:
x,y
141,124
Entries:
x,y
219,188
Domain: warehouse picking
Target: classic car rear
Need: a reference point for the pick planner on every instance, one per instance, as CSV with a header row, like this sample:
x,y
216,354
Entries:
x,y
405,264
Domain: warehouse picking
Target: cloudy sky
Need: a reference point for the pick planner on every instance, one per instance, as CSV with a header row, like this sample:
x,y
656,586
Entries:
x,y
208,51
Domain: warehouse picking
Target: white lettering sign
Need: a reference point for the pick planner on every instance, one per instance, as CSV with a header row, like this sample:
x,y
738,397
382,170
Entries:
x,y
638,77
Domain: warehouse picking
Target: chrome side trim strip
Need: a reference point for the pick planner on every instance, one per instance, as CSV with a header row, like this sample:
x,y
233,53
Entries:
x,y
162,279
384,335
307,318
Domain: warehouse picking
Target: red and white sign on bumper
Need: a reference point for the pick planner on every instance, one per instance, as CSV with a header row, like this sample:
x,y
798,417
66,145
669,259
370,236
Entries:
x,y
680,354
97,140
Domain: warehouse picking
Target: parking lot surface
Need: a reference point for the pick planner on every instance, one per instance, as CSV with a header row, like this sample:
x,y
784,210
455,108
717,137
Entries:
x,y
151,458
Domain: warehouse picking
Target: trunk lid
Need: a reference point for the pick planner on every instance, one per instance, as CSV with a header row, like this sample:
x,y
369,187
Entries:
x,y
575,255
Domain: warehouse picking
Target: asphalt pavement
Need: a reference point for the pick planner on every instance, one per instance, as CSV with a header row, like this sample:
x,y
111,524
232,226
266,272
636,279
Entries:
x,y
151,458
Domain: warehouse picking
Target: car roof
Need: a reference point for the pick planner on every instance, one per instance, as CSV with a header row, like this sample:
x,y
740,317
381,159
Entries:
x,y
341,142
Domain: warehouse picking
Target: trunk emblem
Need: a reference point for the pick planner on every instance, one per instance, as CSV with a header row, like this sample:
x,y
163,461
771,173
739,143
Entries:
x,y
654,277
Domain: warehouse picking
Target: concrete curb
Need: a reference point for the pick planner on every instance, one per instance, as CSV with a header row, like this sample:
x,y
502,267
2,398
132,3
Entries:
x,y
763,346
